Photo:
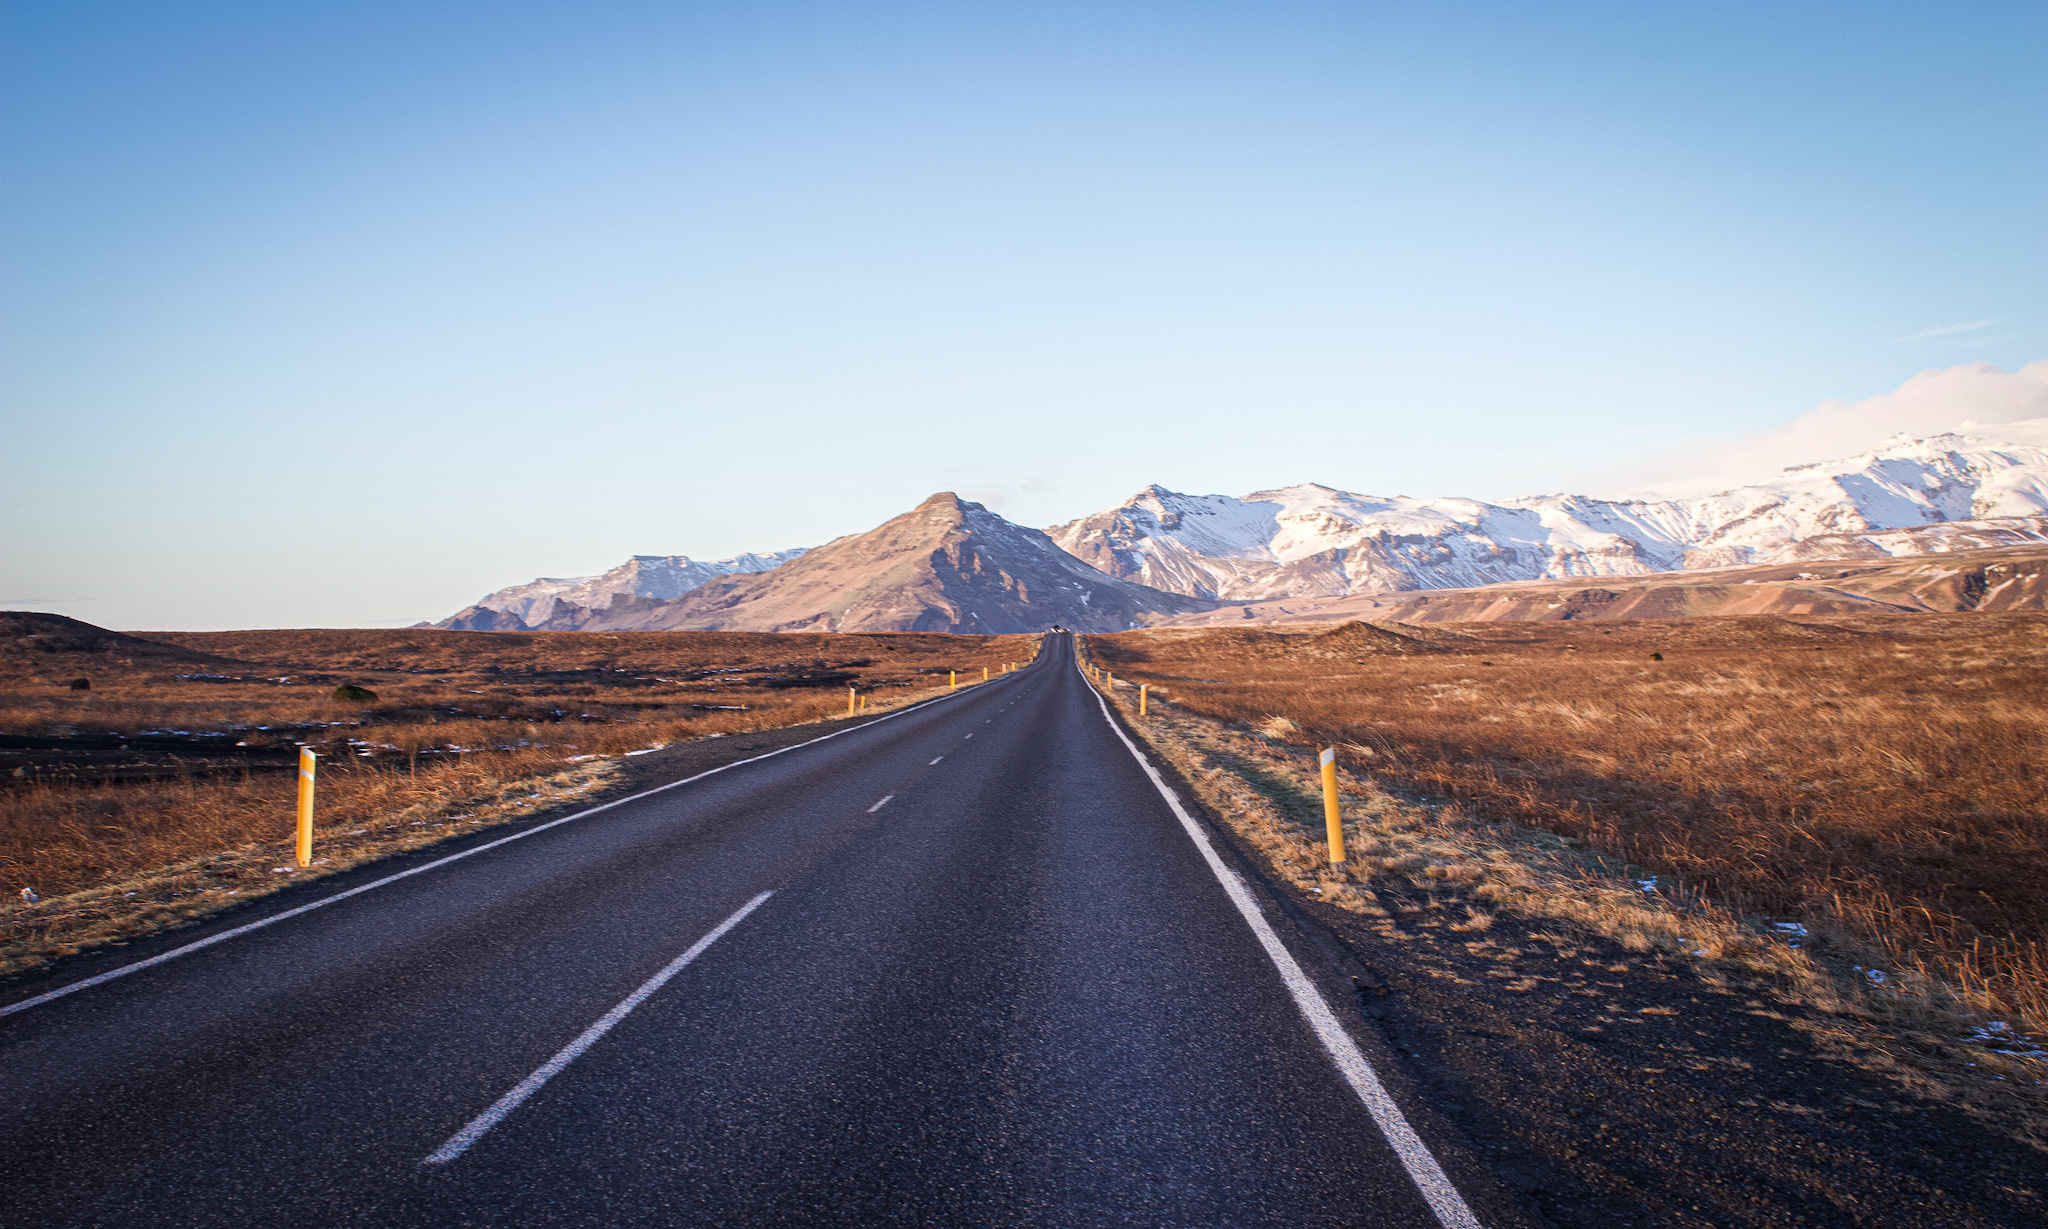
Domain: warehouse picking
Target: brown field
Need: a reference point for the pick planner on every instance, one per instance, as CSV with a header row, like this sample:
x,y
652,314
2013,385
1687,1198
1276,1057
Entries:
x,y
182,747
1880,778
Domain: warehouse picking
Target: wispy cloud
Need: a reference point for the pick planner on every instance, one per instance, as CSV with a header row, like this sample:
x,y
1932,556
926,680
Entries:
x,y
1969,396
998,495
1947,330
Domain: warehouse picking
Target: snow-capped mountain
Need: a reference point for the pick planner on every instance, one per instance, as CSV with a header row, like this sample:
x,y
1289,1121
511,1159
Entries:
x,y
551,601
947,565
953,565
1909,495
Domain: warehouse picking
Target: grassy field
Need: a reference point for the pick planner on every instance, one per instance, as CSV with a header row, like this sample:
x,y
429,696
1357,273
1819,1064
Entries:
x,y
172,767
1881,779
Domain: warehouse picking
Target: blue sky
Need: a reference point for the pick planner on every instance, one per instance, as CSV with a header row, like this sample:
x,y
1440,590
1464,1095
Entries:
x,y
345,314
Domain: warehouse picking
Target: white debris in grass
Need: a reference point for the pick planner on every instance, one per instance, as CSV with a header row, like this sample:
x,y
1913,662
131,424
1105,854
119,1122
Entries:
x,y
1792,932
1998,1035
1647,885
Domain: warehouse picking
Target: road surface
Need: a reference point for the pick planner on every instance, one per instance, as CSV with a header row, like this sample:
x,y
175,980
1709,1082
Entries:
x,y
1015,992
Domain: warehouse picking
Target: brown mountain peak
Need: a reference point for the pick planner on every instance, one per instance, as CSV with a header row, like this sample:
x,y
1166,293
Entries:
x,y
948,505
948,564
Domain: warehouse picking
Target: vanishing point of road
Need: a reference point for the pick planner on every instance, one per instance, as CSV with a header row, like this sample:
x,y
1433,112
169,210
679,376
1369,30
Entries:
x,y
975,962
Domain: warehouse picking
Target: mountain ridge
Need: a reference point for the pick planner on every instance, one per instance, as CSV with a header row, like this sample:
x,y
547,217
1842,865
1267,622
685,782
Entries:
x,y
1903,497
946,565
1150,556
645,577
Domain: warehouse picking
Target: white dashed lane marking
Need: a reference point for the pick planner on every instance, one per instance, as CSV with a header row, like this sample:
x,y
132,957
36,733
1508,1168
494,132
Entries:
x,y
459,1142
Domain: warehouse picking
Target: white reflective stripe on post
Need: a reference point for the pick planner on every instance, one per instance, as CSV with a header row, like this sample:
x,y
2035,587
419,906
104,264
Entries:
x,y
1329,756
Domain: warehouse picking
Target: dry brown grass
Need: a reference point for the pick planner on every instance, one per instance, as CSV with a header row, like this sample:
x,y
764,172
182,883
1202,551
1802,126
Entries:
x,y
468,728
214,834
1879,779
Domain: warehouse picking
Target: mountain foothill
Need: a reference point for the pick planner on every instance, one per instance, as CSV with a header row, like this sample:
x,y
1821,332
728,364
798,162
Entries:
x,y
1974,504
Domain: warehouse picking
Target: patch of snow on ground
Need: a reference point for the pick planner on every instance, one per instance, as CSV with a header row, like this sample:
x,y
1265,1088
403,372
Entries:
x,y
1792,932
1998,1035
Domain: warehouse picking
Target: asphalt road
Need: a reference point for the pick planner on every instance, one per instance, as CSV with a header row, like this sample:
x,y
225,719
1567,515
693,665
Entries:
x,y
1015,993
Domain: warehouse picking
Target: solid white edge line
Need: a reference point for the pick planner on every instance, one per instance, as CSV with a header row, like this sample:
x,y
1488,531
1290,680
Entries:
x,y
878,806
324,901
459,1142
1352,1064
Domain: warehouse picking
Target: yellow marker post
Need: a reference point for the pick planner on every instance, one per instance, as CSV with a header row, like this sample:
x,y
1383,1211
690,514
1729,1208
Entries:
x,y
1143,689
953,679
308,761
852,701
984,674
1333,817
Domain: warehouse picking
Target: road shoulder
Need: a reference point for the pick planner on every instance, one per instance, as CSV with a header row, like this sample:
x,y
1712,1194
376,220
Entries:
x,y
621,778
1606,1085
1352,991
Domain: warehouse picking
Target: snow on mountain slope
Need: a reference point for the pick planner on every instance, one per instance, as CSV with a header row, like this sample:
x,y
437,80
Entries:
x,y
1909,495
947,565
657,577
